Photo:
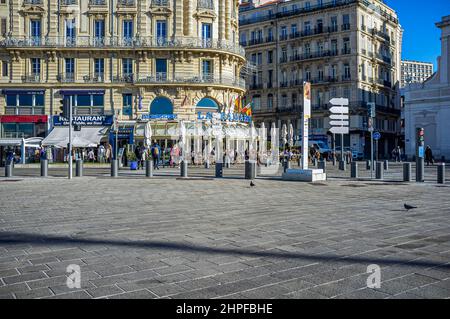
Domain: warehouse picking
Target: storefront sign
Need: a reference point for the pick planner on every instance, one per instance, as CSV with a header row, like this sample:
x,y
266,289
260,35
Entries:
x,y
158,117
23,118
231,117
84,120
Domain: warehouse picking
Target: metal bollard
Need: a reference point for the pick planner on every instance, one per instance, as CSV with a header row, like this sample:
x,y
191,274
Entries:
x,y
379,173
441,173
368,165
184,169
354,170
250,170
115,168
44,168
285,166
149,168
8,170
334,161
342,166
207,165
407,172
79,168
323,166
219,170
386,165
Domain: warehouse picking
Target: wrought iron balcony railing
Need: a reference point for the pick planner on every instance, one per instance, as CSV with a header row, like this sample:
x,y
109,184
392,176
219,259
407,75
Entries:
x,y
126,3
160,3
97,2
32,78
66,78
33,2
121,42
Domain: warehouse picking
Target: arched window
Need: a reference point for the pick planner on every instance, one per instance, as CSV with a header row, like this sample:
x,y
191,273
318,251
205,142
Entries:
x,y
161,105
208,103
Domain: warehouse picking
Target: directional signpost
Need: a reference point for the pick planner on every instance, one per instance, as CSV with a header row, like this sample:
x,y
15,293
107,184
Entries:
x,y
372,114
340,121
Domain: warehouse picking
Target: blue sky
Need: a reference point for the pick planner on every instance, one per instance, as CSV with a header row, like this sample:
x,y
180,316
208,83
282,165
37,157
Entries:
x,y
421,38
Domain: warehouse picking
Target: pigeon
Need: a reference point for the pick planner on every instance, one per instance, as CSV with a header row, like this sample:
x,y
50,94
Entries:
x,y
408,207
252,184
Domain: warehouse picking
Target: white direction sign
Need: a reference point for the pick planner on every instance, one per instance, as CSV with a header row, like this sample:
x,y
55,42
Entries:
x,y
339,130
339,118
339,110
339,101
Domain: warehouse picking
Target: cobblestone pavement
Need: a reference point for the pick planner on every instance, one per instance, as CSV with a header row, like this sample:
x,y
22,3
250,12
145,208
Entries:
x,y
219,238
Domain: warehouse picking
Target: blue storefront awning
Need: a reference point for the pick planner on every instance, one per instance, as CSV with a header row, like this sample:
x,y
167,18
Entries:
x,y
80,92
23,91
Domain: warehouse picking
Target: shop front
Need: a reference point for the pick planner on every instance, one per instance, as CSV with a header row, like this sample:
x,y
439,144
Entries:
x,y
20,136
93,135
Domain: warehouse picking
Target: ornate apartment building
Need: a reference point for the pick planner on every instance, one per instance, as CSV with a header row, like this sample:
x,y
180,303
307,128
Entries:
x,y
345,48
166,58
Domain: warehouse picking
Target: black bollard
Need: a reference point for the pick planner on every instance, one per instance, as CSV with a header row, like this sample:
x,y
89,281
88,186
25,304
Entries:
x,y
149,168
250,170
441,173
342,166
184,169
386,165
115,168
379,173
219,170
323,166
368,165
79,168
44,168
354,170
8,170
407,172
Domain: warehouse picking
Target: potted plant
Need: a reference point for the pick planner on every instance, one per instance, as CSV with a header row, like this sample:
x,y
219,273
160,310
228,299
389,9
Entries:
x,y
132,159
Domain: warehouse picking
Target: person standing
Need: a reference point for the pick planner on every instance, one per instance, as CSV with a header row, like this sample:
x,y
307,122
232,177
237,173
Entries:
x,y
91,156
429,156
155,156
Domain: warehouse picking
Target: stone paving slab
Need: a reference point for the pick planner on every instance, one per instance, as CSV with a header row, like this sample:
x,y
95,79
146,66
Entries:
x,y
166,238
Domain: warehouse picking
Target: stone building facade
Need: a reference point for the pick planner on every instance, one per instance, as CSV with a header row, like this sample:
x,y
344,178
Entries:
x,y
157,57
345,48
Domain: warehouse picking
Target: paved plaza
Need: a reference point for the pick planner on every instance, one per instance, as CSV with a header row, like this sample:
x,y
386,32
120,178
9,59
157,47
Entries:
x,y
220,238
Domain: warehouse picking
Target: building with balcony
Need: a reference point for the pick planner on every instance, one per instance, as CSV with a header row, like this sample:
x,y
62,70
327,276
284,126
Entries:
x,y
415,72
427,105
158,59
345,48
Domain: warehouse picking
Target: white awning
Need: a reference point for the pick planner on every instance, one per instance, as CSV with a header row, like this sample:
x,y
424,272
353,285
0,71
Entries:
x,y
87,137
29,142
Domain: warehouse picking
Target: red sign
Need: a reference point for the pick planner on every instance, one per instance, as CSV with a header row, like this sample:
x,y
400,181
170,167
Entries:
x,y
23,118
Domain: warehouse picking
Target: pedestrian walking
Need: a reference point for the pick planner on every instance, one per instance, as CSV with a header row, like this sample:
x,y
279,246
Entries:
x,y
429,156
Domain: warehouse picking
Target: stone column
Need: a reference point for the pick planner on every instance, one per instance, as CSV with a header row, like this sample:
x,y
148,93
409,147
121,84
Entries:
x,y
221,20
179,18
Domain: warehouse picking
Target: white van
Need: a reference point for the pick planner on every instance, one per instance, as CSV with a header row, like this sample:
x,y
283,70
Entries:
x,y
322,147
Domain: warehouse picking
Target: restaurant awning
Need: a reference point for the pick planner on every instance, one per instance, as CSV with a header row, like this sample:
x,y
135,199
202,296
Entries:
x,y
87,137
33,142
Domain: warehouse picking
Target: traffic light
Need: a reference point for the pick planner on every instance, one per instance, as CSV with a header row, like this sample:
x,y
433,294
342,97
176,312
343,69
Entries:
x,y
65,107
420,136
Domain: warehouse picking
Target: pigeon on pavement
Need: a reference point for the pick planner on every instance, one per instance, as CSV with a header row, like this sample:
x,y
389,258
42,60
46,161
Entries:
x,y
409,207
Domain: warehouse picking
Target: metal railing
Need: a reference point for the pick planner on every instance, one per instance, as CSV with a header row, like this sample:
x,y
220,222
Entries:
x,y
160,3
66,78
121,42
97,2
32,78
126,3
189,79
31,2
69,2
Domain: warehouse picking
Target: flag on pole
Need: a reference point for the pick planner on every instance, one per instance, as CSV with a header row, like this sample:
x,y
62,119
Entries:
x,y
247,110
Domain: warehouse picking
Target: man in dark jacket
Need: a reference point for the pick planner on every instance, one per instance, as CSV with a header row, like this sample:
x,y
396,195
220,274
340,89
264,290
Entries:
x,y
429,156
